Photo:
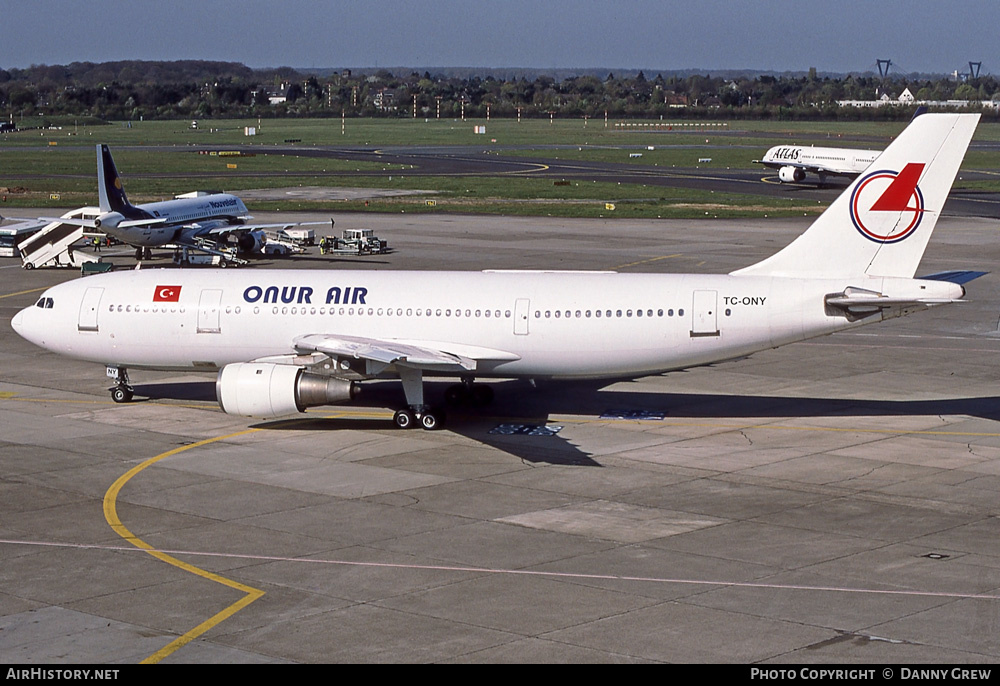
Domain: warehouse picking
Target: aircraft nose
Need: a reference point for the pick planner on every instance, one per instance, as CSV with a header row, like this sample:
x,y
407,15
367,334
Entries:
x,y
21,323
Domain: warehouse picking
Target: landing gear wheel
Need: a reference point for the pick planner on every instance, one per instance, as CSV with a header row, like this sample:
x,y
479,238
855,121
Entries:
x,y
404,419
432,421
121,394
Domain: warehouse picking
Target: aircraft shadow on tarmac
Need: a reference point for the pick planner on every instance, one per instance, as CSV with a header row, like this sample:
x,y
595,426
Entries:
x,y
518,422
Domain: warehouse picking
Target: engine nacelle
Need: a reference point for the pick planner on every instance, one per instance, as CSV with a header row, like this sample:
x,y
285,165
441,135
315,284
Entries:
x,y
275,390
252,242
791,174
109,220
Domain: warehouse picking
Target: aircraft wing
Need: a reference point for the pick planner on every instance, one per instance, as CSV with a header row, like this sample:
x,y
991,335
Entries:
x,y
235,228
425,355
813,168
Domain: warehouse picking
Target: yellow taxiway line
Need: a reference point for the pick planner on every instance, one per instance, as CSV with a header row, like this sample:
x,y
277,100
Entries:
x,y
111,515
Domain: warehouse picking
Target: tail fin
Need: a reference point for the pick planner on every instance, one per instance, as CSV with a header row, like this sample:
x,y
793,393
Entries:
x,y
881,224
110,191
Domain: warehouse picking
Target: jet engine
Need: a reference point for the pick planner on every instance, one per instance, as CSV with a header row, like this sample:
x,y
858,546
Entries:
x,y
274,390
108,220
251,242
790,174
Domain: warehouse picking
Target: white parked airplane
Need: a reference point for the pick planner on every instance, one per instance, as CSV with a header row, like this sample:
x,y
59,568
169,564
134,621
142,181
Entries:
x,y
793,161
283,341
197,221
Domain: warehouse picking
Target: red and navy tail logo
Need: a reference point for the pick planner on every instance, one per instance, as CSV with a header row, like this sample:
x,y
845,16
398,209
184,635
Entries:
x,y
887,206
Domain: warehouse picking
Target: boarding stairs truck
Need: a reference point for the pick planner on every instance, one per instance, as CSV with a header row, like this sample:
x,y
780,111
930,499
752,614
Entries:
x,y
53,246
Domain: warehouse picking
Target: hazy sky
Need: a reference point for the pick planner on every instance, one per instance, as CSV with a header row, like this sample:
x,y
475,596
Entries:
x,y
833,35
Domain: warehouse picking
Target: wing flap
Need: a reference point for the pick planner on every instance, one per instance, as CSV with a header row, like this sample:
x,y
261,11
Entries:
x,y
427,355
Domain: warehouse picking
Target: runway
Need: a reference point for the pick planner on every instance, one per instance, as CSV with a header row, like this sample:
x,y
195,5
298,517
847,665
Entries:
x,y
832,501
498,160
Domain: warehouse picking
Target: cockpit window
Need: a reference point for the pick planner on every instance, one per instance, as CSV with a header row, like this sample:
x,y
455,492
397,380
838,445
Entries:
x,y
44,303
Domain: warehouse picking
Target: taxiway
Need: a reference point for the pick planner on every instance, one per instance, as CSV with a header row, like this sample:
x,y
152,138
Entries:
x,y
832,501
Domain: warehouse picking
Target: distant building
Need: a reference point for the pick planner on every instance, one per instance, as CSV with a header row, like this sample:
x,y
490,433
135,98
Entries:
x,y
277,94
906,98
385,99
672,99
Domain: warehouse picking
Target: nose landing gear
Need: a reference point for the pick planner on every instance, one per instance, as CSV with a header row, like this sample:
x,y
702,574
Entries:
x,y
122,391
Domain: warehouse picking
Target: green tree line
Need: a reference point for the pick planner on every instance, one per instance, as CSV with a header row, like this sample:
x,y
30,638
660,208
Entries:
x,y
133,90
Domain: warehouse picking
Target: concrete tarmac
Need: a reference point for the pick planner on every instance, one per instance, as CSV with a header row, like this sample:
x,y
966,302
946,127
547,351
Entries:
x,y
832,501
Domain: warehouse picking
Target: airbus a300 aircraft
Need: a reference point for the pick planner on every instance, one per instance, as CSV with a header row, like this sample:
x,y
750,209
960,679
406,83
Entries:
x,y
202,222
793,161
282,341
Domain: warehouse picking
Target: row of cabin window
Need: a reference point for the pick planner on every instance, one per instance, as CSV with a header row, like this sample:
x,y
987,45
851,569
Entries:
x,y
322,310
389,312
144,308
506,314
604,313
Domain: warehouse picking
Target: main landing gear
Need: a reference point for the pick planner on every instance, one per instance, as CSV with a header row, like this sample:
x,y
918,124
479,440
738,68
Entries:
x,y
416,412
424,415
122,392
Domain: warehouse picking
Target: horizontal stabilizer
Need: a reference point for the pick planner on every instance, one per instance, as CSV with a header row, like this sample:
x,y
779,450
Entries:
x,y
859,303
141,222
911,293
85,223
959,276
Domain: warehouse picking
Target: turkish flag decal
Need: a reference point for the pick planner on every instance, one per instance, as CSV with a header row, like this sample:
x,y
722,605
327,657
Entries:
x,y
167,294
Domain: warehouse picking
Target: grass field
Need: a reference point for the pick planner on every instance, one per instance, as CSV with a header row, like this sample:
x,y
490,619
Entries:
x,y
55,167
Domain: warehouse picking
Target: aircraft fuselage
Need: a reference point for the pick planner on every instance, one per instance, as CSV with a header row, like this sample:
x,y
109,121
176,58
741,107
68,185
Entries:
x,y
546,324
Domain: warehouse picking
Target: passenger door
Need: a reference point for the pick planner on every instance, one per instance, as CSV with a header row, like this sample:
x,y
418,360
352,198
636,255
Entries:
x,y
209,310
704,314
89,308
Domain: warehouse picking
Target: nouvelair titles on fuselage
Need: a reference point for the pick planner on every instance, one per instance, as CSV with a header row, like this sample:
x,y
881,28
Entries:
x,y
335,295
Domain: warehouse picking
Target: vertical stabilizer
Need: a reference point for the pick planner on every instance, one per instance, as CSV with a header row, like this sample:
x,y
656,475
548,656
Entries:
x,y
110,191
881,224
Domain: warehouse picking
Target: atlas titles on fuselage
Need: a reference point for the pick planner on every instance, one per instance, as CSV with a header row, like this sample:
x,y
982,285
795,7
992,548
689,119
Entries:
x,y
335,295
787,153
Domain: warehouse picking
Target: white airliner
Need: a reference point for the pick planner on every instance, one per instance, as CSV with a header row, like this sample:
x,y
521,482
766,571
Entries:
x,y
793,161
197,221
282,341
